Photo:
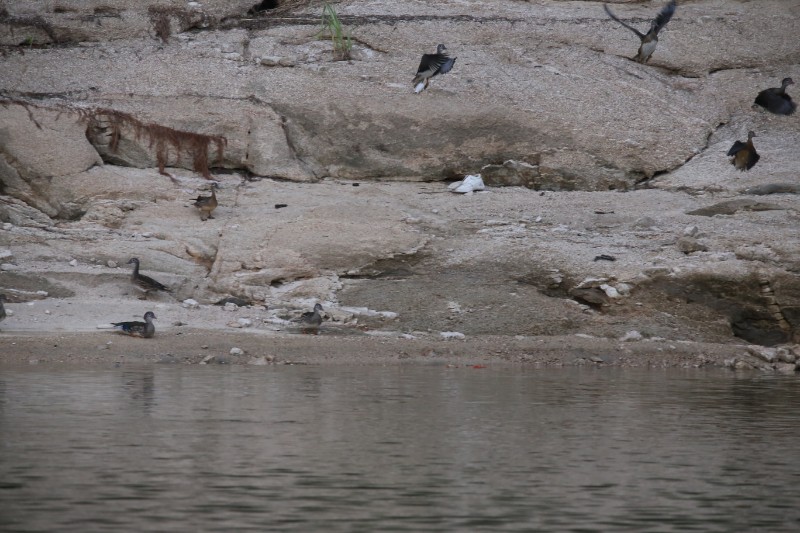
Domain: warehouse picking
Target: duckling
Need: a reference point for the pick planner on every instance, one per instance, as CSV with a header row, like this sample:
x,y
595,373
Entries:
x,y
144,283
207,204
649,39
432,65
311,320
744,154
775,99
135,328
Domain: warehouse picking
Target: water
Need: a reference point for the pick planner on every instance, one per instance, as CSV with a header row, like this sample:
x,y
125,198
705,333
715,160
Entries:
x,y
400,448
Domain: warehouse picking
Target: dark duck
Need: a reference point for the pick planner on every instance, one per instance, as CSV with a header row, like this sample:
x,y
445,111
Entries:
x,y
146,284
207,204
311,320
649,39
135,328
775,99
432,65
744,155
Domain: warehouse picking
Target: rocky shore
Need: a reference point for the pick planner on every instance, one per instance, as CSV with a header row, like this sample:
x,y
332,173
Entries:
x,y
612,230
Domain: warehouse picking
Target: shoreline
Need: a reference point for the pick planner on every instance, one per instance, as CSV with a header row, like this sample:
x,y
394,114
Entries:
x,y
197,346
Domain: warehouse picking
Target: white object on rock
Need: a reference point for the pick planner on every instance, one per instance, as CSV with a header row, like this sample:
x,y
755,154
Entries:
x,y
74,263
111,263
610,291
473,182
632,335
236,351
452,335
190,303
245,322
230,306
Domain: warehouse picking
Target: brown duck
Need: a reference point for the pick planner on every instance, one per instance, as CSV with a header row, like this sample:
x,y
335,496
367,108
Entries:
x,y
207,204
744,154
432,65
649,39
311,320
135,328
144,283
775,99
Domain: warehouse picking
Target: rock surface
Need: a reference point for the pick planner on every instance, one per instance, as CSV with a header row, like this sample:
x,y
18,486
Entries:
x,y
595,167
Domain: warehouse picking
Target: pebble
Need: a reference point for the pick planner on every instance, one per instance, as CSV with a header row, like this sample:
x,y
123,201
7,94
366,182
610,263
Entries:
x,y
190,303
230,306
236,351
452,335
245,322
111,263
74,263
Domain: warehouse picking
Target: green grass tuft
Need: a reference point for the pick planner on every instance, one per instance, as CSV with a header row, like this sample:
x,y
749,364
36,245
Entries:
x,y
342,44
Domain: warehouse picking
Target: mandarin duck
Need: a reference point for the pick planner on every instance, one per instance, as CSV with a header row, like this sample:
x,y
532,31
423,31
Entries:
x,y
649,39
135,328
432,65
744,155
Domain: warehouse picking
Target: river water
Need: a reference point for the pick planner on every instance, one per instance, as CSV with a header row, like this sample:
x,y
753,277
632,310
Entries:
x,y
397,448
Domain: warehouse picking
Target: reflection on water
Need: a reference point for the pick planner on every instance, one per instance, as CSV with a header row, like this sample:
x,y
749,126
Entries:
x,y
397,449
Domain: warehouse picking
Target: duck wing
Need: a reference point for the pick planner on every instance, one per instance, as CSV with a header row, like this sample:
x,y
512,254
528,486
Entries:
x,y
737,147
664,16
752,159
147,280
634,30
130,327
432,64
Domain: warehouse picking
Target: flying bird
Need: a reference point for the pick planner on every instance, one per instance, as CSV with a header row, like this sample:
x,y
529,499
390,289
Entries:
x,y
207,204
776,100
649,39
432,65
744,155
135,328
144,283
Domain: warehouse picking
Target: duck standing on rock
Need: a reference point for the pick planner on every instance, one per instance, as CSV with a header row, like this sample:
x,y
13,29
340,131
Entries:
x,y
142,282
744,155
649,39
145,329
432,65
775,99
311,320
207,204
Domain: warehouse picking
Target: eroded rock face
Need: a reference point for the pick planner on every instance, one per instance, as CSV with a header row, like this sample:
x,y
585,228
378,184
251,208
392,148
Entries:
x,y
553,105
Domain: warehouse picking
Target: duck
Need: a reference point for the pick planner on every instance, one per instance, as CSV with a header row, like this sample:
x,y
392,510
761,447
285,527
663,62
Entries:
x,y
432,65
145,329
744,153
207,204
775,99
649,39
311,320
144,283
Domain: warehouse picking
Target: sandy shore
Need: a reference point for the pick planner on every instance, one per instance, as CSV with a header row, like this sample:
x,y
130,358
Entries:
x,y
192,346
